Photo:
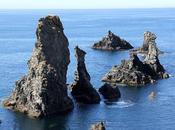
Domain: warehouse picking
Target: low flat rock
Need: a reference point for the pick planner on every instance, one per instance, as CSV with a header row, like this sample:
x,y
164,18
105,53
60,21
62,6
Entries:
x,y
82,89
112,42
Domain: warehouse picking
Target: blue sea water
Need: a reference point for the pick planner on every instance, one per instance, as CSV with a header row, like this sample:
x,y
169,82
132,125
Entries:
x,y
134,111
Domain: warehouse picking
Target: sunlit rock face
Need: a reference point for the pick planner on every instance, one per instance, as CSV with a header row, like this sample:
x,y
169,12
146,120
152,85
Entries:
x,y
43,91
135,72
112,42
149,38
82,89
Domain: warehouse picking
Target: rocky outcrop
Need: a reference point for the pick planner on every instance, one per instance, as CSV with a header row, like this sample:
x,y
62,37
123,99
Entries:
x,y
149,38
135,72
98,126
82,89
43,91
112,42
109,92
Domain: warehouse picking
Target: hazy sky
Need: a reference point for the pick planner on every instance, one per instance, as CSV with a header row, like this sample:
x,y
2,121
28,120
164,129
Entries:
x,y
84,4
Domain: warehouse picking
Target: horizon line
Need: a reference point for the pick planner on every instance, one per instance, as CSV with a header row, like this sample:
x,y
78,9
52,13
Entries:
x,y
86,8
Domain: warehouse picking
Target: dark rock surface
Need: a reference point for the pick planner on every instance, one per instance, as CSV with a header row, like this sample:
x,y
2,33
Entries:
x,y
98,126
43,91
82,89
109,92
135,72
112,42
149,38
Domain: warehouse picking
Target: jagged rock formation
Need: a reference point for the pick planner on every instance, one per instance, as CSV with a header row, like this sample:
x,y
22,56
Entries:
x,y
82,89
149,38
43,91
135,72
98,126
112,42
109,92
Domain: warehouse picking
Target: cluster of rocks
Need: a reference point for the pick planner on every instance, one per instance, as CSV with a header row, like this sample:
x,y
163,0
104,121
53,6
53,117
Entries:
x,y
135,72
43,91
112,42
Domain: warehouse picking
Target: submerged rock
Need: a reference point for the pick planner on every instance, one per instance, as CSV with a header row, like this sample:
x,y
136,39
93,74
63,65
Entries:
x,y
135,72
82,89
152,95
112,42
43,91
109,92
98,126
149,38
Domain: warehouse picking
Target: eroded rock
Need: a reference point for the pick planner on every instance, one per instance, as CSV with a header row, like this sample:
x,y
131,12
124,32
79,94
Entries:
x,y
135,72
98,126
82,89
149,38
112,42
43,91
110,92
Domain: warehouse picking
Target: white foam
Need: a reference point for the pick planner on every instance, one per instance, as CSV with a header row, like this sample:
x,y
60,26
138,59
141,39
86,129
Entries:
x,y
121,104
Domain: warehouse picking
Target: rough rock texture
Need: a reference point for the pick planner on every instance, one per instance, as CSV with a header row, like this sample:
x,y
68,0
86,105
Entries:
x,y
43,91
135,72
98,126
109,92
149,38
82,89
112,42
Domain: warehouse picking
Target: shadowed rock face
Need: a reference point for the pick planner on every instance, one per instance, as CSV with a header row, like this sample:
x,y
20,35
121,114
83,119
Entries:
x,y
112,42
149,38
98,126
109,92
43,91
82,89
135,72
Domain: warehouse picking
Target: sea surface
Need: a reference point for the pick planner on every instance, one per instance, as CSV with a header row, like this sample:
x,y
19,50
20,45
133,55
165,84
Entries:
x,y
134,111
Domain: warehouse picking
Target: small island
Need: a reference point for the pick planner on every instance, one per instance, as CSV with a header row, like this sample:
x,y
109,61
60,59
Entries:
x,y
112,42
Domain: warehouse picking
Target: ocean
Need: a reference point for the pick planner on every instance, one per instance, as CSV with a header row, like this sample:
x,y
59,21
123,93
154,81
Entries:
x,y
134,111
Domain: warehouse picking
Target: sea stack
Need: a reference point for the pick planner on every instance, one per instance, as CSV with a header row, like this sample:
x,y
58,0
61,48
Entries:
x,y
149,38
135,72
112,42
43,91
82,89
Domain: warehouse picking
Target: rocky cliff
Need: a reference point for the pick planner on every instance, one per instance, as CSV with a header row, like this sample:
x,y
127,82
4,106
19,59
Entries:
x,y
43,91
112,42
82,89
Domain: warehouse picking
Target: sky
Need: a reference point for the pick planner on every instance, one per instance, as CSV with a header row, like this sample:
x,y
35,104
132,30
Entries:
x,y
85,4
